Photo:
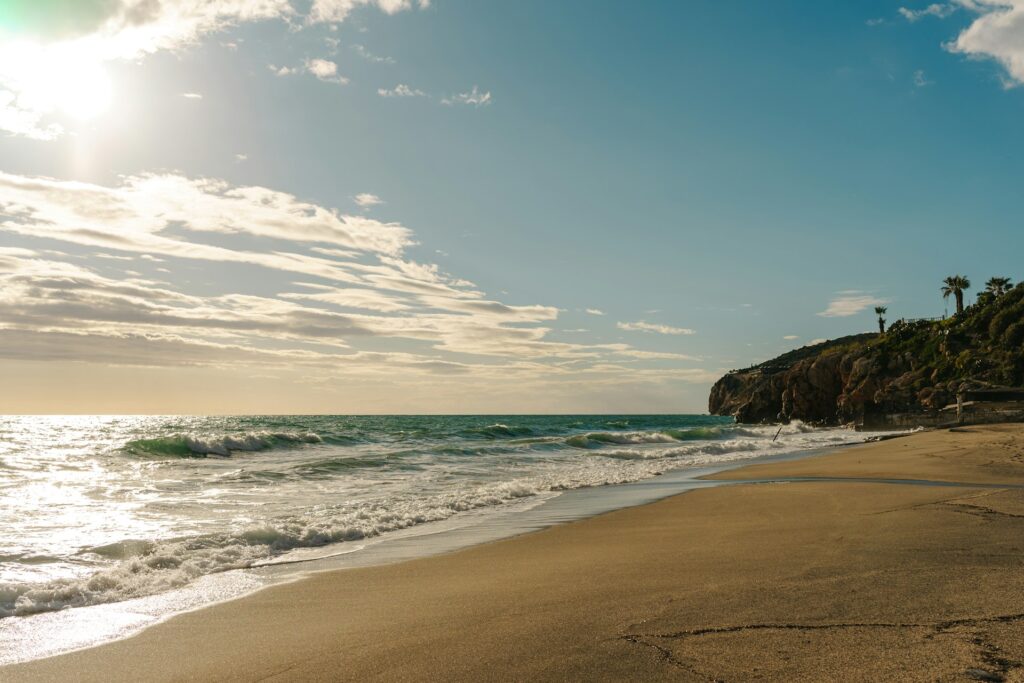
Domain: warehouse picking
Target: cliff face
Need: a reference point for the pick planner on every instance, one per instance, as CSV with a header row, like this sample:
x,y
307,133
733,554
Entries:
x,y
914,368
807,384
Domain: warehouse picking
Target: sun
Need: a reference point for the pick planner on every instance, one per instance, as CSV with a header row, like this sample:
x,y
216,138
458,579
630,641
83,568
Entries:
x,y
52,79
81,91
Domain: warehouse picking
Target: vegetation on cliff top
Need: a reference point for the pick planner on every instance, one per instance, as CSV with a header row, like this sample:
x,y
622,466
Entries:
x,y
914,366
983,343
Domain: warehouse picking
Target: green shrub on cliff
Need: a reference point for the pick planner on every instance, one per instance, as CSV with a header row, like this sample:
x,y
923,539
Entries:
x,y
1014,335
1000,321
913,367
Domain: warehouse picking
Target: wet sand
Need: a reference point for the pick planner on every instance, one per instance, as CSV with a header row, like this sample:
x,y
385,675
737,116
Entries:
x,y
783,581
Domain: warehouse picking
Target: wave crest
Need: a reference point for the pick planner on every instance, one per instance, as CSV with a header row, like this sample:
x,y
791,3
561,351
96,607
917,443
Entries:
x,y
498,431
196,446
598,439
139,568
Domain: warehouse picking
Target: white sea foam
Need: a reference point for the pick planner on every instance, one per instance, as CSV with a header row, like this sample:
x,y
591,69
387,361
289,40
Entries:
x,y
292,501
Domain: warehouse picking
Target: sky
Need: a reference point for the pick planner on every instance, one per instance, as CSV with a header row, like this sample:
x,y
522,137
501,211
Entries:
x,y
455,206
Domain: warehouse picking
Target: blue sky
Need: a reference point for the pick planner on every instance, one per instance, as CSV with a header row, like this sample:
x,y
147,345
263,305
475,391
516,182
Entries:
x,y
399,206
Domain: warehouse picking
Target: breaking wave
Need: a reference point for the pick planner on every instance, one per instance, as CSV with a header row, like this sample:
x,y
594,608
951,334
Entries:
x,y
498,431
599,439
144,568
319,481
192,446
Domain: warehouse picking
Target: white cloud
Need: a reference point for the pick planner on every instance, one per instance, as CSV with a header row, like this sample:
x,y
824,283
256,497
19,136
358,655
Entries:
x,y
135,214
241,157
356,287
57,69
939,10
369,56
849,303
474,98
334,11
996,33
192,95
282,70
400,90
877,21
365,199
629,352
791,337
920,80
128,29
595,311
815,342
642,326
350,297
325,70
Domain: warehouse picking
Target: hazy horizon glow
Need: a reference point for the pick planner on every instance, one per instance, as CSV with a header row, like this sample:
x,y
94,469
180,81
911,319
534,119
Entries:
x,y
389,206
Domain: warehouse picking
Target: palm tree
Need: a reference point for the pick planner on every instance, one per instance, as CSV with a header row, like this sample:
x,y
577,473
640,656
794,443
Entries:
x,y
955,285
880,311
998,285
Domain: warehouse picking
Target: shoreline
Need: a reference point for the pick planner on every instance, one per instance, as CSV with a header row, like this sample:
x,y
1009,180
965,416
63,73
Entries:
x,y
537,571
58,633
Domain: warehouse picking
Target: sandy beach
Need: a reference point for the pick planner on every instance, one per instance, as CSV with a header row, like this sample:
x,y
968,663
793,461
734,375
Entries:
x,y
815,580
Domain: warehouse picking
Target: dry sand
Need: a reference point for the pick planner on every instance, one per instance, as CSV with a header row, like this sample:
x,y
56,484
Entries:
x,y
792,581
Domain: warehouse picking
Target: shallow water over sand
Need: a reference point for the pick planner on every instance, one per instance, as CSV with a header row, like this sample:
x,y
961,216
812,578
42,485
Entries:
x,y
140,517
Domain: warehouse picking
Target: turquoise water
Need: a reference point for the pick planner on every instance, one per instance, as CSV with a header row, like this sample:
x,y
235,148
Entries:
x,y
100,509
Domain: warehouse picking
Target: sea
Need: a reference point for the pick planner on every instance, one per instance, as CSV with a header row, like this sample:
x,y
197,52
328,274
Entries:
x,y
109,523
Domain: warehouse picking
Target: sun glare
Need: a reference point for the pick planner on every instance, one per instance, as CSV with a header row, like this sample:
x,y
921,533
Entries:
x,y
53,79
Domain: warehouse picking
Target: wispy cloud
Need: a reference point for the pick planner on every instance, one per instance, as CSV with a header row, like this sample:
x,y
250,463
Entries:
x,y
323,69
920,80
595,311
642,326
939,10
366,200
369,56
350,297
335,11
344,282
791,337
401,90
134,214
192,95
850,302
474,97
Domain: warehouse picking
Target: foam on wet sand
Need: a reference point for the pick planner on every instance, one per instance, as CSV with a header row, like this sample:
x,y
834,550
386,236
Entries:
x,y
811,580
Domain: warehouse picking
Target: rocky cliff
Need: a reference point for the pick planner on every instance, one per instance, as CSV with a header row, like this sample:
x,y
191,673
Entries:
x,y
915,367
